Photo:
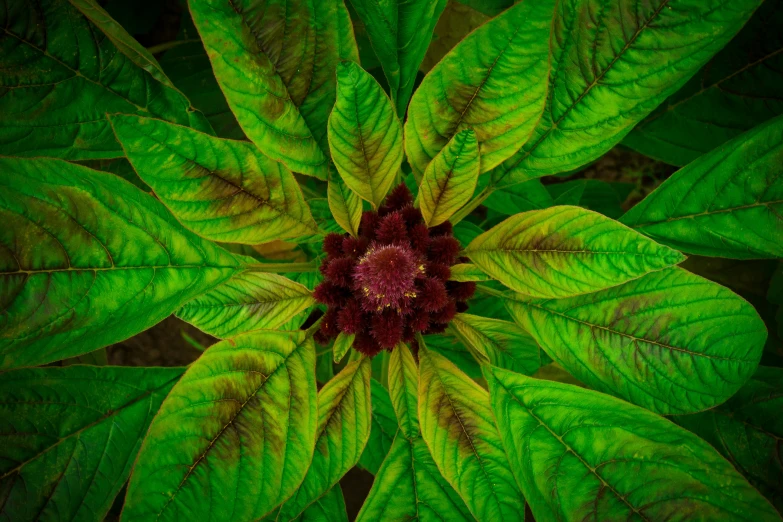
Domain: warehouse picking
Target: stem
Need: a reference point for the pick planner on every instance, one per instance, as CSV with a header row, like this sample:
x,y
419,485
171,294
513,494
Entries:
x,y
282,268
472,205
155,49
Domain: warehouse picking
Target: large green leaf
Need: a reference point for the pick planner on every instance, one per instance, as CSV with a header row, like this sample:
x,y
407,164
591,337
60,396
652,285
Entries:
x,y
739,88
450,178
502,343
233,438
612,64
87,260
564,251
519,198
728,203
410,487
597,458
382,430
748,431
491,82
457,424
344,411
247,301
275,62
62,72
404,390
400,32
70,436
223,190
365,136
670,341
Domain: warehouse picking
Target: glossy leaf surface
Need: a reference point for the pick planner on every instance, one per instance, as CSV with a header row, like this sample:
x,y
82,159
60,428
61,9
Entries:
x,y
491,82
504,344
748,430
728,203
611,72
247,301
564,251
88,260
450,178
344,410
365,136
70,436
458,427
62,72
404,389
599,457
233,438
382,429
223,190
275,62
400,32
738,89
671,341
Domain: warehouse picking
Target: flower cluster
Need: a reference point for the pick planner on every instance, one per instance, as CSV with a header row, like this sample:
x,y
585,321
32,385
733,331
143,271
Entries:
x,y
391,281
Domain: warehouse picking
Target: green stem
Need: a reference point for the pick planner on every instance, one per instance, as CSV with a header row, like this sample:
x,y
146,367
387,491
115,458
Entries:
x,y
155,49
283,268
472,205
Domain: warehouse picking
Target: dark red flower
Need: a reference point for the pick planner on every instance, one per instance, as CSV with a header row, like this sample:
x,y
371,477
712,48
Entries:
x,y
392,281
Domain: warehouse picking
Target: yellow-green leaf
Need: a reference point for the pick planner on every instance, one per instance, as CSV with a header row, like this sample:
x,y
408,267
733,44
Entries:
x,y
564,251
345,204
365,136
450,178
239,427
223,190
342,344
404,389
493,82
468,272
247,301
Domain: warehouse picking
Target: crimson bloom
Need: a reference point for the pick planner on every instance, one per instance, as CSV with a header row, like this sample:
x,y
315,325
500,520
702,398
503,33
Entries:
x,y
391,281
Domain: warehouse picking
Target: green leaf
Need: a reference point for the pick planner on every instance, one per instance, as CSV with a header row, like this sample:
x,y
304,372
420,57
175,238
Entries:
x,y
329,508
404,389
88,260
450,178
400,32
502,343
452,349
62,72
410,487
383,428
365,136
519,198
457,424
344,411
490,82
599,458
247,301
599,196
728,203
467,272
748,430
342,344
565,251
735,91
223,190
488,7
612,64
70,436
275,63
233,438
345,206
671,341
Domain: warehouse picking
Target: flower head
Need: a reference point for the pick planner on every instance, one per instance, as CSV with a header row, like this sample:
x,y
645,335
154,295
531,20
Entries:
x,y
391,282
